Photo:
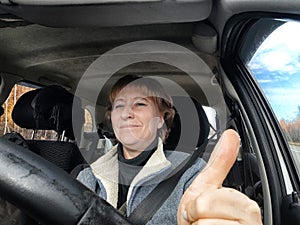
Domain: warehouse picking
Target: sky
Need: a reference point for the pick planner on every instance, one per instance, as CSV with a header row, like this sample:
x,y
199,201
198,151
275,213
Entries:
x,y
276,65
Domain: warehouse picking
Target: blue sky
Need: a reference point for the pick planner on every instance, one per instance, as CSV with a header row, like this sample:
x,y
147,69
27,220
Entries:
x,y
276,65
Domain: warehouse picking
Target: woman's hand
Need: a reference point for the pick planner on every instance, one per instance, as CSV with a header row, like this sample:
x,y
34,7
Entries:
x,y
206,202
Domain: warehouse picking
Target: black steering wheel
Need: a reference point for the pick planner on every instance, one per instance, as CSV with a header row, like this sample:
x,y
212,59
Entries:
x,y
47,193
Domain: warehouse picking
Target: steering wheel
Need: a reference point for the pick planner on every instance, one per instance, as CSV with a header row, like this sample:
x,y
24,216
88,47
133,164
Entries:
x,y
47,193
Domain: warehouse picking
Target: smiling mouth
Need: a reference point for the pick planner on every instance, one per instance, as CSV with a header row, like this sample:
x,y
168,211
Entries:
x,y
129,126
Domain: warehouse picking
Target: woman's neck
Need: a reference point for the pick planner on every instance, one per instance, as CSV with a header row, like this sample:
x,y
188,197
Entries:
x,y
129,153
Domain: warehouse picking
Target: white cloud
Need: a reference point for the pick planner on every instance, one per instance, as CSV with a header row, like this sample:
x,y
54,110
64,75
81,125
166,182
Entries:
x,y
280,51
276,65
286,35
261,81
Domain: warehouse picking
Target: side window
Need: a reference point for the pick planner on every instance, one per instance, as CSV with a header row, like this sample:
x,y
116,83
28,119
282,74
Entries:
x,y
7,124
88,121
212,119
276,67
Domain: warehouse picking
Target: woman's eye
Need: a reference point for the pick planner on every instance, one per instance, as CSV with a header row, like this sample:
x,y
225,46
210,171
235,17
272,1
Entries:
x,y
140,104
118,106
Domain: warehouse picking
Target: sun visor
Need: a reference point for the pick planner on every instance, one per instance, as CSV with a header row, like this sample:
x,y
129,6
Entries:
x,y
75,13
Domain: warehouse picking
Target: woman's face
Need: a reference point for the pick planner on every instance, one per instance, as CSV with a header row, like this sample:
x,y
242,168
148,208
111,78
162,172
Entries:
x,y
135,119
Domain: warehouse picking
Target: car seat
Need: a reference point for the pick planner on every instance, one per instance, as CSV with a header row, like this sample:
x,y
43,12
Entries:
x,y
50,108
190,119
183,114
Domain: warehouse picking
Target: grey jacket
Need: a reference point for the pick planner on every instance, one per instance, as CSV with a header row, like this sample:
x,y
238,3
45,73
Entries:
x,y
105,172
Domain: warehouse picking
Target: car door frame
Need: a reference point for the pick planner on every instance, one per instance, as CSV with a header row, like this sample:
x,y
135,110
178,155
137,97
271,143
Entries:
x,y
281,179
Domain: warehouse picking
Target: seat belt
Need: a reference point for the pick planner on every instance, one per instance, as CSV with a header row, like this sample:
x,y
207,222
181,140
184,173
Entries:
x,y
147,208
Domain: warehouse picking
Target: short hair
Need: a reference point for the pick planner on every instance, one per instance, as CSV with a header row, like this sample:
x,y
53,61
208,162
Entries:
x,y
154,90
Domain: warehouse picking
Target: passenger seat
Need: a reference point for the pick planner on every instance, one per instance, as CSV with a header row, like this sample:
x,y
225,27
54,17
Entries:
x,y
186,125
50,108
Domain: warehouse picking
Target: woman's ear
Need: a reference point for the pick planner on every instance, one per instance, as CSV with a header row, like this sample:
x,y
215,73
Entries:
x,y
161,122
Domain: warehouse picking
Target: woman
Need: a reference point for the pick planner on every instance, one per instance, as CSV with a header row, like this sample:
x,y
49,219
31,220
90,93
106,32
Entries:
x,y
141,114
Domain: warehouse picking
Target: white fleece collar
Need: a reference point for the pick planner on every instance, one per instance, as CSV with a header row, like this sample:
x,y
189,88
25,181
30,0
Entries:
x,y
106,169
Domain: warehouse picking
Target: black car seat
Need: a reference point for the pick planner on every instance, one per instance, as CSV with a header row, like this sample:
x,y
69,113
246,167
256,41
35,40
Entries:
x,y
190,119
50,108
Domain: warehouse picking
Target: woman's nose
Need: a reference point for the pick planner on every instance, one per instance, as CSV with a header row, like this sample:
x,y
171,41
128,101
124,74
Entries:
x,y
127,112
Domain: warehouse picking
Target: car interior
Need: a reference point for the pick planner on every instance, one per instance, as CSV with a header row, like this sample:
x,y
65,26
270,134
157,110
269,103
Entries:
x,y
74,51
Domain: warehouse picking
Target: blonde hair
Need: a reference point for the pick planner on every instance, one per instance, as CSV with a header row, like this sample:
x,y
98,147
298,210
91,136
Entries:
x,y
155,91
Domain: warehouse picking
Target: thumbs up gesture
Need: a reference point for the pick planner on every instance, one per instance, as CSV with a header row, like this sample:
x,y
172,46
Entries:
x,y
206,202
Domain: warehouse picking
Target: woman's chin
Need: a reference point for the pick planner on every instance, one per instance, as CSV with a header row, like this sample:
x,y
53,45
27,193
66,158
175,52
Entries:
x,y
129,141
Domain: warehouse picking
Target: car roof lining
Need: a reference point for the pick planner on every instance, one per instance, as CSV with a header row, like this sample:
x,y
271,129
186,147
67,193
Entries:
x,y
48,55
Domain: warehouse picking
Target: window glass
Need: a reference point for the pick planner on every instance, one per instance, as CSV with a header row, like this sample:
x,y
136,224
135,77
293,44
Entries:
x,y
276,67
7,124
212,119
88,121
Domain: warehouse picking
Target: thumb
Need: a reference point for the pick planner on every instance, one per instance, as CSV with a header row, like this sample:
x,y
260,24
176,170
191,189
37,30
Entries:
x,y
213,174
220,161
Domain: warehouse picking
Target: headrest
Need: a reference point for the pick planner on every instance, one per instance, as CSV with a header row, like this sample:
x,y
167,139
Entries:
x,y
48,108
190,125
